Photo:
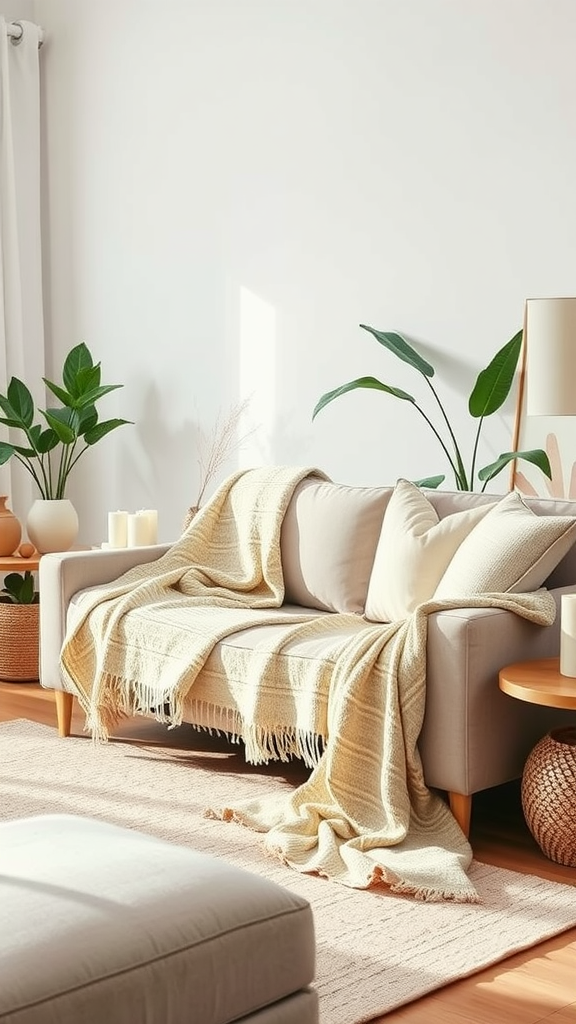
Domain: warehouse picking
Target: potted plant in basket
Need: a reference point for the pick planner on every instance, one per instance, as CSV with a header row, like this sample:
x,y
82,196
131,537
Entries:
x,y
50,450
19,626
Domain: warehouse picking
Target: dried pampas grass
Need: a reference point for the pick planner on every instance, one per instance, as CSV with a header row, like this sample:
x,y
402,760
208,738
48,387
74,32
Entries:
x,y
215,448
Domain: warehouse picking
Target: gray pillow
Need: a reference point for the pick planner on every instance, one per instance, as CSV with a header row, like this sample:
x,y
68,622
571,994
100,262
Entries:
x,y
328,541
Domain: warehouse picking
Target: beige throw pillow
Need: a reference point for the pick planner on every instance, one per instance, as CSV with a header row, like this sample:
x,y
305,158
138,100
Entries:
x,y
414,549
512,550
328,539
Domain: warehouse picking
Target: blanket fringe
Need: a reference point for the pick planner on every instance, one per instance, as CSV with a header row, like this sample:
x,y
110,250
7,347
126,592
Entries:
x,y
428,895
262,743
121,698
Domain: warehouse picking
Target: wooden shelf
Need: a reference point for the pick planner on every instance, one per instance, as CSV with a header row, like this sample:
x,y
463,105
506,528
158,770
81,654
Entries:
x,y
15,563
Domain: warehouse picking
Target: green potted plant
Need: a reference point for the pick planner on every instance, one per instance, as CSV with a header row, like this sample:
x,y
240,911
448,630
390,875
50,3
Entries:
x,y
19,628
50,450
490,391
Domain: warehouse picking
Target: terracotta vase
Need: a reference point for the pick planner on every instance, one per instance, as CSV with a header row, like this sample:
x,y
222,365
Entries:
x,y
52,525
10,529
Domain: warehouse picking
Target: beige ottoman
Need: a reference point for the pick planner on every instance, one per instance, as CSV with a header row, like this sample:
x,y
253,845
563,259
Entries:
x,y
103,925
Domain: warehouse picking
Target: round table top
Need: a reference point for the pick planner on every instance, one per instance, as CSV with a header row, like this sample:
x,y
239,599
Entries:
x,y
539,682
15,563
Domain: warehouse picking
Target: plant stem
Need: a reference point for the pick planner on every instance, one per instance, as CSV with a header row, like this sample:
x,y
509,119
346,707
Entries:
x,y
460,474
29,469
64,468
475,452
446,451
71,462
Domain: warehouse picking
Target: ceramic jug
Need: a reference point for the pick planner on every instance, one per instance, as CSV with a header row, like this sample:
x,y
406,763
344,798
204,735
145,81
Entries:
x,y
10,529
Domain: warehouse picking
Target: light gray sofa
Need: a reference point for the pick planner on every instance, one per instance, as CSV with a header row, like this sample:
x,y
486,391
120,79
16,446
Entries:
x,y
474,736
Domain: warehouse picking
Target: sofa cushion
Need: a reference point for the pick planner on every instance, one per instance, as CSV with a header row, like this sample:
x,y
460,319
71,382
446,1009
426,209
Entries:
x,y
122,926
414,549
512,549
329,536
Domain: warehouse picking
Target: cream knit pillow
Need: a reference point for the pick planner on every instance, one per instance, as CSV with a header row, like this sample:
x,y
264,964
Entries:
x,y
414,549
512,550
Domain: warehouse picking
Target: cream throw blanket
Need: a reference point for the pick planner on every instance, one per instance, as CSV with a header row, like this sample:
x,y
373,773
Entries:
x,y
365,815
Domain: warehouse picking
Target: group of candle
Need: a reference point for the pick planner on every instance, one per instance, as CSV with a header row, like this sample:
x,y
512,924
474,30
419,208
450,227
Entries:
x,y
132,529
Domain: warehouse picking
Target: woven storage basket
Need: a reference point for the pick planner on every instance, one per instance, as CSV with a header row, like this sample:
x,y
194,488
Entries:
x,y
549,795
19,630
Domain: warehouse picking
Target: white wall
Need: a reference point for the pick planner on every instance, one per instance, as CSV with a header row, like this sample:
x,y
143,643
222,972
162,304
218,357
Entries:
x,y
232,186
13,10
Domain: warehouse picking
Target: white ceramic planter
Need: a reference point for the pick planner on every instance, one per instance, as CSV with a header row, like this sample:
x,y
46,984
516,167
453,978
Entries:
x,y
52,525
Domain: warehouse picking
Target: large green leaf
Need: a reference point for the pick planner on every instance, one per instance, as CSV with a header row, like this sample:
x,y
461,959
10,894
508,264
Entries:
x,y
78,359
87,419
493,384
101,429
20,404
354,385
89,378
536,456
6,452
58,392
59,421
47,440
430,481
8,422
397,344
92,396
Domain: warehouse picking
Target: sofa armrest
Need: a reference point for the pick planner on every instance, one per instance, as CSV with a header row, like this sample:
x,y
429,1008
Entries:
x,y
63,574
474,736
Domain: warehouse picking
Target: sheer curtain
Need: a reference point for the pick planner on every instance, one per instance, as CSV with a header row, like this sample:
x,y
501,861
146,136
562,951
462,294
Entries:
x,y
21,314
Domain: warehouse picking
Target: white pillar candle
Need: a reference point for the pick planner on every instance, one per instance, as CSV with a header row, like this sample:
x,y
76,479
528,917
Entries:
x,y
152,517
117,529
137,530
568,635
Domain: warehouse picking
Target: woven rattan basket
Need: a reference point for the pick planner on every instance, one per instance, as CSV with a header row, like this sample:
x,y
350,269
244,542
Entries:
x,y
549,795
19,629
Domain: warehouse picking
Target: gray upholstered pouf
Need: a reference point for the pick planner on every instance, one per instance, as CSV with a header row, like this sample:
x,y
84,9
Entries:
x,y
104,925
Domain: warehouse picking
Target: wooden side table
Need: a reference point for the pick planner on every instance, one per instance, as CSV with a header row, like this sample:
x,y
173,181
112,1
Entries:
x,y
539,682
549,776
15,563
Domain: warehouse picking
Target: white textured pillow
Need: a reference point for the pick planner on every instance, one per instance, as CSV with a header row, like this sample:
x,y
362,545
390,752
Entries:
x,y
414,549
512,550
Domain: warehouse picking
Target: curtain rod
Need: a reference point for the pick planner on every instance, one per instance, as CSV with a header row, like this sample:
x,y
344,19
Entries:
x,y
15,31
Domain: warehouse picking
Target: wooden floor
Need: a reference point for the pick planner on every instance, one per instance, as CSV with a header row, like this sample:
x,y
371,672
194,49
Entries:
x,y
537,985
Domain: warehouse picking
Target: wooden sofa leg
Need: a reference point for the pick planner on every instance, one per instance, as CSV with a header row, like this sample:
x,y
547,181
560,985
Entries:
x,y
461,807
64,705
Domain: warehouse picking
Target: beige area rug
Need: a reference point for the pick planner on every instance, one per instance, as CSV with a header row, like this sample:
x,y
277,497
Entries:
x,y
375,951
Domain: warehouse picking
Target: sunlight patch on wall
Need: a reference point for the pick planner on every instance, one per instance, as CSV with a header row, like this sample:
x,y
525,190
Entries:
x,y
257,378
